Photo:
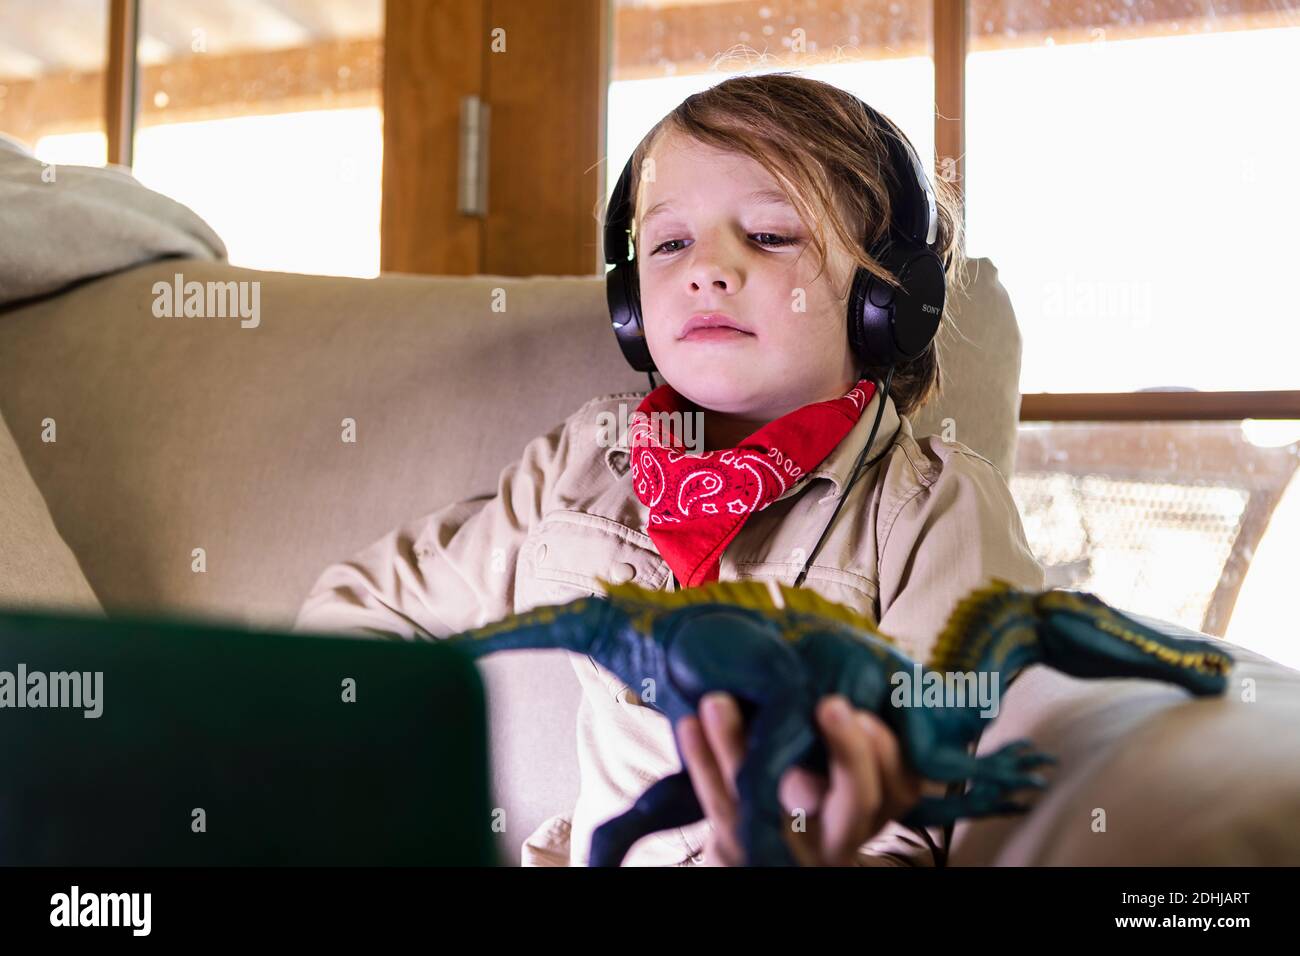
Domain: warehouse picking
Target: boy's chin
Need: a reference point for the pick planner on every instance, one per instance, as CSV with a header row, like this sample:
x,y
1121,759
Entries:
x,y
719,390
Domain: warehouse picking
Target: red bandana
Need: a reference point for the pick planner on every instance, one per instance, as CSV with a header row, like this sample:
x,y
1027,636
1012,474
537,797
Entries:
x,y
698,502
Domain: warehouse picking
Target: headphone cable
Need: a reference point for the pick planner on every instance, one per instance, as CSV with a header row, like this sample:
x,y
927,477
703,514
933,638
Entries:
x,y
857,471
939,856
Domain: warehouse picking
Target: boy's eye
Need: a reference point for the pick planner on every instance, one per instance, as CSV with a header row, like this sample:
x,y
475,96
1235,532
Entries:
x,y
773,241
659,248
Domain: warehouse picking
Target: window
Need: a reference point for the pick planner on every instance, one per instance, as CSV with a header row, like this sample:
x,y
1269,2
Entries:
x,y
52,78
1123,171
1126,170
265,119
665,50
1193,522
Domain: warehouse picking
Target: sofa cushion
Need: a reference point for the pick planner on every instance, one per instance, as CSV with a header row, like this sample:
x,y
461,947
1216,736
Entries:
x,y
77,222
37,569
979,357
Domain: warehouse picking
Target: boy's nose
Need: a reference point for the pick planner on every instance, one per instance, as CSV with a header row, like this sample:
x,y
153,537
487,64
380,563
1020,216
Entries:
x,y
713,275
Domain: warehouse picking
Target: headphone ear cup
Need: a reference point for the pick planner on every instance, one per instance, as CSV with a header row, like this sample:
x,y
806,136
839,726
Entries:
x,y
889,326
622,294
857,319
871,320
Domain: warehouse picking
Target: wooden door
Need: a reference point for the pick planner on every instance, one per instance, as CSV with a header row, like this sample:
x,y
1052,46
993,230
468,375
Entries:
x,y
539,66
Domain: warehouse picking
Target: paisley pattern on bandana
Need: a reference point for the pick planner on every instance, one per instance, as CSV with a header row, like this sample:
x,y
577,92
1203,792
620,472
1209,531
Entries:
x,y
699,502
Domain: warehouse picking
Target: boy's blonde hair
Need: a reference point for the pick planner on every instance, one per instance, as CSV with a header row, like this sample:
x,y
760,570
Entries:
x,y
831,160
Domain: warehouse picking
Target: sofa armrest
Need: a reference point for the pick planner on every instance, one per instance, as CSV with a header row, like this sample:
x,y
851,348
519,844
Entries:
x,y
1149,775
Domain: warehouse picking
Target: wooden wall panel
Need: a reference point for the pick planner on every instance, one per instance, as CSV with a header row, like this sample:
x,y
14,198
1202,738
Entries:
x,y
435,52
951,38
546,176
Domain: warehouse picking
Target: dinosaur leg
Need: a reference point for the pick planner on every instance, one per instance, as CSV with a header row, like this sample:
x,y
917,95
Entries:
x,y
780,735
984,799
934,741
671,802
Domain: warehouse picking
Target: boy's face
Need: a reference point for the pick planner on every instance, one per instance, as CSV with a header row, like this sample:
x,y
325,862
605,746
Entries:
x,y
712,247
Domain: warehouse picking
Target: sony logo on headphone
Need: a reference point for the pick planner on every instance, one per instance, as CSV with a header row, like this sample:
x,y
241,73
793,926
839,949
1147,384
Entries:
x,y
933,309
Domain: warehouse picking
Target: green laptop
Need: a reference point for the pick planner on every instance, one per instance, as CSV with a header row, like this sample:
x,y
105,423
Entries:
x,y
171,742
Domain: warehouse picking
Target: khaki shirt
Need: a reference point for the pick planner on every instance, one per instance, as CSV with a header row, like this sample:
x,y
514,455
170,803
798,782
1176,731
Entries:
x,y
928,523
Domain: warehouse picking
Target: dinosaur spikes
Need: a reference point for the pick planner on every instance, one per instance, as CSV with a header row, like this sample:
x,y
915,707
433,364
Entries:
x,y
770,596
774,589
808,601
750,594
952,646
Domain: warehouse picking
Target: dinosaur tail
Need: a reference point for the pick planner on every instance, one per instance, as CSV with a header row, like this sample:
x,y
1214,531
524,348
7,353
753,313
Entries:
x,y
573,627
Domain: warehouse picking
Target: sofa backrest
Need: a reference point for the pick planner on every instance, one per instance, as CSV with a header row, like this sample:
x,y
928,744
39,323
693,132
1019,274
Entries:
x,y
184,433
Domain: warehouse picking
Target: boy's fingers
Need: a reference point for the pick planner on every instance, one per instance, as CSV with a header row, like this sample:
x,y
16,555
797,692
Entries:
x,y
801,789
806,845
902,786
706,776
723,850
854,800
725,732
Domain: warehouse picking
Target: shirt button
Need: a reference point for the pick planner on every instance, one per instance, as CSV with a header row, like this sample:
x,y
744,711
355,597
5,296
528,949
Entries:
x,y
621,573
541,552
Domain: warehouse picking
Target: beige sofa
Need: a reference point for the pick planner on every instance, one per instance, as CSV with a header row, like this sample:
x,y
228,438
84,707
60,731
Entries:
x,y
181,433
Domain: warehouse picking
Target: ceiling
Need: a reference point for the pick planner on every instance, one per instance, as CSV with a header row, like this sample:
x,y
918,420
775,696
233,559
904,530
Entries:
x,y
48,36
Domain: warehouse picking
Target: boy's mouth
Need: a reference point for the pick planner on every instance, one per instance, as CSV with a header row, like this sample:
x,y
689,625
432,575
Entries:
x,y
719,333
712,327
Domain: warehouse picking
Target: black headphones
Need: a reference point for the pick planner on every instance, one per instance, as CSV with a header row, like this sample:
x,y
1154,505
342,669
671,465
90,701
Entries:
x,y
886,326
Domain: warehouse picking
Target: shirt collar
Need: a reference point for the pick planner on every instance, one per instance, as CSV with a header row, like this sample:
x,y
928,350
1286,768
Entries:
x,y
836,467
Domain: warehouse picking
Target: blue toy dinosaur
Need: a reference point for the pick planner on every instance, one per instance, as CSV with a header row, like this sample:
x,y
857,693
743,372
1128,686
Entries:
x,y
778,650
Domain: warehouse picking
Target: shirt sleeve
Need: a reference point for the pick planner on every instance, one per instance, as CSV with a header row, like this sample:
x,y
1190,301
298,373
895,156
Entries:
x,y
448,571
949,537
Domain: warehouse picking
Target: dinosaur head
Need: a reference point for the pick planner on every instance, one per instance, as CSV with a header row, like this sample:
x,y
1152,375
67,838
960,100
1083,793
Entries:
x,y
1084,636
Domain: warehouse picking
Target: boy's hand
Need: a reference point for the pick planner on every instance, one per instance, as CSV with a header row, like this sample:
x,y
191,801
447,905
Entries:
x,y
868,786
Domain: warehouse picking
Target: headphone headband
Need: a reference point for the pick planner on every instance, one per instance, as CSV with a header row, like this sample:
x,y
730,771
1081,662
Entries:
x,y
618,218
912,204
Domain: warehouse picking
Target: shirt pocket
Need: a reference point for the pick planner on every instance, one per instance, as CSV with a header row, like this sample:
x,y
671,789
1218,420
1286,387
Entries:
x,y
834,584
565,554
568,550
